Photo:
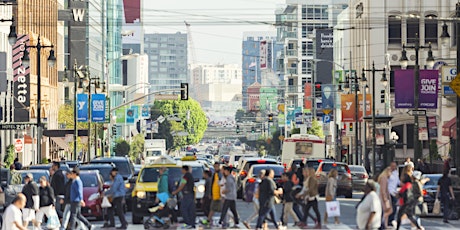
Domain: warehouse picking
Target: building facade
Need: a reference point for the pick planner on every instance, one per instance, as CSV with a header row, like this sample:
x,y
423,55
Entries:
x,y
168,64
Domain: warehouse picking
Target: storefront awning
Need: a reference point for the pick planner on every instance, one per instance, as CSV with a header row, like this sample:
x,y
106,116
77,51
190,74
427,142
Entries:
x,y
448,129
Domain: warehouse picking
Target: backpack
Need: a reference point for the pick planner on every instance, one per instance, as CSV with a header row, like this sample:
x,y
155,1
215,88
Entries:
x,y
406,194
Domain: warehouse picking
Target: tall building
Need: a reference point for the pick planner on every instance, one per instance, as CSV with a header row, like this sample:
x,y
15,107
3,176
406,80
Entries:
x,y
114,10
167,60
252,71
296,23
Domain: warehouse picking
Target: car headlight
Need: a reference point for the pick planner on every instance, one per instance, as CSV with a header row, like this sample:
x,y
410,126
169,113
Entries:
x,y
200,188
141,194
127,185
93,196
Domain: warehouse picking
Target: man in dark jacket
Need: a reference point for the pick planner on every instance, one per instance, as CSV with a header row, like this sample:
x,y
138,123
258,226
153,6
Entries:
x,y
32,194
267,192
57,182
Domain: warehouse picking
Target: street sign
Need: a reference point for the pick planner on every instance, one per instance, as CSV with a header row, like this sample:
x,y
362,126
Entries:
x,y
166,97
15,126
18,145
455,84
326,119
416,112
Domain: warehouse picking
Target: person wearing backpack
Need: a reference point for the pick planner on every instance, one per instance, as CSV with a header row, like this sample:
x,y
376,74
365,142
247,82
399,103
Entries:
x,y
252,195
407,201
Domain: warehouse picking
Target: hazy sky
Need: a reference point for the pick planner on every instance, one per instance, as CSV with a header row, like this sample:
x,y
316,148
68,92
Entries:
x,y
217,25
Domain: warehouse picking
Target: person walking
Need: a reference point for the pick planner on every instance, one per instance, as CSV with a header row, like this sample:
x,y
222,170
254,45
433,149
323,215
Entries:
x,y
446,193
57,182
163,185
310,194
288,201
32,194
230,197
255,199
66,203
393,184
267,194
187,206
331,191
12,217
76,201
47,202
117,192
207,197
215,194
384,195
369,209
406,201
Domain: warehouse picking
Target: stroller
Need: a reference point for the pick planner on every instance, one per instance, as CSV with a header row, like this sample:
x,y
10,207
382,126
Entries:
x,y
162,213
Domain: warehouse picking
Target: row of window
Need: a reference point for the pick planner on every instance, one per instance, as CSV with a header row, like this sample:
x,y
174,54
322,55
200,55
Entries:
x,y
165,45
412,29
165,82
307,28
314,12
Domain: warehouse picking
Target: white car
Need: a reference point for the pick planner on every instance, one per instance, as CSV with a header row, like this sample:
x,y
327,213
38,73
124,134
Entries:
x,y
197,173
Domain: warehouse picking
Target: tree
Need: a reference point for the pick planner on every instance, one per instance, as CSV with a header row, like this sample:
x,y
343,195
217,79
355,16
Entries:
x,y
137,146
316,129
194,126
66,117
9,156
121,148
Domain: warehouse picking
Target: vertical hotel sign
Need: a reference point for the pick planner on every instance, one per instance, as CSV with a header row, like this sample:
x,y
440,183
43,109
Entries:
x,y
263,54
21,81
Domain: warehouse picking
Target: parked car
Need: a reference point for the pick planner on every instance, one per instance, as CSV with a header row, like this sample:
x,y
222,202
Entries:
x,y
315,162
344,181
93,187
71,164
359,176
13,188
137,168
104,170
430,189
243,170
125,169
254,171
64,167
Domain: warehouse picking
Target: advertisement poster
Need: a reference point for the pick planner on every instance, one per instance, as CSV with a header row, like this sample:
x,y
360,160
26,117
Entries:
x,y
120,114
82,107
263,55
98,108
432,127
405,86
328,96
21,81
145,114
348,107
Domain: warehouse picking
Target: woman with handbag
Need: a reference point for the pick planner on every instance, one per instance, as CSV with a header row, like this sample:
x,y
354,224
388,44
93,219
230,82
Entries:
x,y
331,192
385,197
310,194
47,207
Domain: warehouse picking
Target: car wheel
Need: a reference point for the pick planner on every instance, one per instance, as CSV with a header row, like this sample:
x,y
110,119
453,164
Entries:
x,y
349,194
138,219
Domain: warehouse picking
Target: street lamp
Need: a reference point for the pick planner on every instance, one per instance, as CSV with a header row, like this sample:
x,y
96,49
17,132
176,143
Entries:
x,y
404,62
51,62
384,81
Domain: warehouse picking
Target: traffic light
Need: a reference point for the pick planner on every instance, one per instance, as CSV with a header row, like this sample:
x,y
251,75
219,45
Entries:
x,y
318,89
184,91
382,96
350,127
114,130
253,129
237,129
270,117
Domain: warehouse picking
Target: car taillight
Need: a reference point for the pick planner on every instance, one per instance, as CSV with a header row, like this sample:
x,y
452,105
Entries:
x,y
364,176
261,161
424,192
348,171
320,161
285,165
243,173
251,180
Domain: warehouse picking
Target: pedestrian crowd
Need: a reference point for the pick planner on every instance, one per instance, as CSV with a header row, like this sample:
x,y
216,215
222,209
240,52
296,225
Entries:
x,y
60,200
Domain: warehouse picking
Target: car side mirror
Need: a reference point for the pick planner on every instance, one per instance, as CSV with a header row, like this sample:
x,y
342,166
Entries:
x,y
133,180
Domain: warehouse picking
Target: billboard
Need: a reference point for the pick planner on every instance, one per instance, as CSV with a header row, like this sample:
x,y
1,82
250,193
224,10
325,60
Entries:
x,y
307,102
98,108
448,73
405,86
324,52
21,81
263,54
82,107
327,95
348,107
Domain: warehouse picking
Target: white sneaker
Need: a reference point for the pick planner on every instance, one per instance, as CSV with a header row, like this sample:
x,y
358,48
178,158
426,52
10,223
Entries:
x,y
394,223
419,222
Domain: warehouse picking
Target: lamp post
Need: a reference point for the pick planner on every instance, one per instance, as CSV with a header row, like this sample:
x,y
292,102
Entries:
x,y
26,62
384,81
404,62
355,85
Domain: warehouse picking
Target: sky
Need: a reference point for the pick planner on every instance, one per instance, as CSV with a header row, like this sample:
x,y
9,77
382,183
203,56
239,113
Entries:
x,y
216,26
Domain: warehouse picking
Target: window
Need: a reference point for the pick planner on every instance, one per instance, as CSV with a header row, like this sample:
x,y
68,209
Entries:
x,y
310,13
431,29
304,48
304,12
310,48
304,30
413,29
304,67
394,30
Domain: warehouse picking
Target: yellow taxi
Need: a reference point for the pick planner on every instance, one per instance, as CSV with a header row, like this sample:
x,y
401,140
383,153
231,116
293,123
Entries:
x,y
144,192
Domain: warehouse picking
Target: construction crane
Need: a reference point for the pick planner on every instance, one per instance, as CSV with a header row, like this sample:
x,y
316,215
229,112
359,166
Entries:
x,y
191,46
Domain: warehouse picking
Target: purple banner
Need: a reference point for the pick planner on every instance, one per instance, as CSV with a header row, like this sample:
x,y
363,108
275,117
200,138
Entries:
x,y
404,89
428,89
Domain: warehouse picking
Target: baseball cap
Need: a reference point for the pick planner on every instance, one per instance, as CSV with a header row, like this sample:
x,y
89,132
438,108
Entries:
x,y
417,175
29,175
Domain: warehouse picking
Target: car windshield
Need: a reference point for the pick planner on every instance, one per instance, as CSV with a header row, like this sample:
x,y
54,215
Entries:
x,y
153,153
278,170
36,175
251,163
88,179
152,174
433,180
313,164
237,157
340,167
197,172
123,167
357,169
103,171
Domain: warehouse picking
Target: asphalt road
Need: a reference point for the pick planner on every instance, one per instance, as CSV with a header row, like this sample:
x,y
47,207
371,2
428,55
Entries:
x,y
348,217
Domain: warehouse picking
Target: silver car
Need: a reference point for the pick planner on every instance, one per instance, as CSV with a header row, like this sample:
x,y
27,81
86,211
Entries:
x,y
15,187
359,176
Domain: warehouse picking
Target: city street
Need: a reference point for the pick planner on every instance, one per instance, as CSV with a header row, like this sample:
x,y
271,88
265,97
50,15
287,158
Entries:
x,y
348,218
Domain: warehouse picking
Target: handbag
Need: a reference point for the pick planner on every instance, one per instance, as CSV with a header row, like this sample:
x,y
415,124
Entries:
x,y
437,207
329,198
53,221
277,200
333,208
106,203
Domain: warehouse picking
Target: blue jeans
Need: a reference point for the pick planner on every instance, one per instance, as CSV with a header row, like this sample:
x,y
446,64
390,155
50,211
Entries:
x,y
446,208
75,213
394,202
297,210
263,212
187,208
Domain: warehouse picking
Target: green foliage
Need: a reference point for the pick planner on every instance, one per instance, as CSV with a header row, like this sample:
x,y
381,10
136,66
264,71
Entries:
x,y
137,146
9,156
316,129
434,155
66,116
121,148
195,126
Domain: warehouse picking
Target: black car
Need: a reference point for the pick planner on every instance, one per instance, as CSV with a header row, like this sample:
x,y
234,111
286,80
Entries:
x,y
125,169
64,167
